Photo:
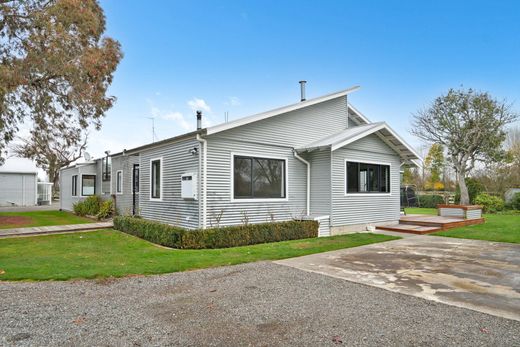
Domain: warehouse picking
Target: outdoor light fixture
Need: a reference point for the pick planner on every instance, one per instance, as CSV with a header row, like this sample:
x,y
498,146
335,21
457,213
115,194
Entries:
x,y
194,151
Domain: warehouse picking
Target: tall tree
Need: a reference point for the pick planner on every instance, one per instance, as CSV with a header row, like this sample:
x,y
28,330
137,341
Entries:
x,y
434,163
470,124
55,68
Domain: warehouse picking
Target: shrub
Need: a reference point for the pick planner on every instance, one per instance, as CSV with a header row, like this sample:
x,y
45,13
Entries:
x,y
474,189
515,201
106,209
430,201
233,236
92,204
79,208
489,203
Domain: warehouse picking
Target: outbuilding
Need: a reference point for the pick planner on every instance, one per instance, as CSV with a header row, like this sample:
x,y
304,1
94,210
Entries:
x,y
18,188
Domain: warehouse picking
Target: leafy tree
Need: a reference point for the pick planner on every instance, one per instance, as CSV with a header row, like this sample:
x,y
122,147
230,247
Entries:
x,y
471,125
55,68
434,163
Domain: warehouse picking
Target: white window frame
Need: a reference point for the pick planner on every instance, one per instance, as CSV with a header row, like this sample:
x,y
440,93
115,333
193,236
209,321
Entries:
x,y
117,191
365,162
262,156
160,159
72,186
81,184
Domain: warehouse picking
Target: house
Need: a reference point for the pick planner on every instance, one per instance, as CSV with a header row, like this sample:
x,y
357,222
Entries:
x,y
18,188
316,159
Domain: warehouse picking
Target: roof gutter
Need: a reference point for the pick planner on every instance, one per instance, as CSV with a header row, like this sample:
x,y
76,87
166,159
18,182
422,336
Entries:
x,y
308,180
203,159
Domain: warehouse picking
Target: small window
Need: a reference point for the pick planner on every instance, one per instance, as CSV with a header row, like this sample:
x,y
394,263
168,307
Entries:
x,y
135,179
367,178
88,185
258,178
75,185
156,179
119,182
106,168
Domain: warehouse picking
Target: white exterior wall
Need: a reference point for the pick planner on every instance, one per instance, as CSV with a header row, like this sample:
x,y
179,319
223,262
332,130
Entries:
x,y
124,200
18,189
355,209
66,198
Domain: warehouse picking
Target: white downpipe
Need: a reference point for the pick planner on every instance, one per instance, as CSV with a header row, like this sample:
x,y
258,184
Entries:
x,y
203,159
308,180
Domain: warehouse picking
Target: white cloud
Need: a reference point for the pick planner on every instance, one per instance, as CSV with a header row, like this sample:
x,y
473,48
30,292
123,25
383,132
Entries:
x,y
197,104
178,118
233,101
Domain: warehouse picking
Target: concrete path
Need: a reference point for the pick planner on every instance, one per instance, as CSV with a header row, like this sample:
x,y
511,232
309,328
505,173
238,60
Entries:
x,y
55,206
478,275
54,229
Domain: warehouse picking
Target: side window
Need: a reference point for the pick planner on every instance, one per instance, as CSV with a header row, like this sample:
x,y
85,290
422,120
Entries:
x,y
156,179
119,182
88,185
74,185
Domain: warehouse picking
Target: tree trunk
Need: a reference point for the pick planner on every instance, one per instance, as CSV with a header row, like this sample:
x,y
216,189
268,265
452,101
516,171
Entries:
x,y
464,195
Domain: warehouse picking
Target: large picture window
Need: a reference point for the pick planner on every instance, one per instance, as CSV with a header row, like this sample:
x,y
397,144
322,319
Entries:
x,y
119,182
258,178
156,179
74,185
367,178
88,185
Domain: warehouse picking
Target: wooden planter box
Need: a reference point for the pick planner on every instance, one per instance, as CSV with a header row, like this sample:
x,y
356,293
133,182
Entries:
x,y
460,211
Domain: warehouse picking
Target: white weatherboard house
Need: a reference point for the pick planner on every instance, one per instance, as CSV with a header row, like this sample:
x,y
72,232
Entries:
x,y
316,159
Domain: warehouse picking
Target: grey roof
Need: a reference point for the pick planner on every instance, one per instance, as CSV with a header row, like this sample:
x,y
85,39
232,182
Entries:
x,y
349,135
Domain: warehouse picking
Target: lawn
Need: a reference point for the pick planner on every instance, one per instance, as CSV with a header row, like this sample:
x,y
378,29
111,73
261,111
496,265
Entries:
x,y
106,253
498,227
10,220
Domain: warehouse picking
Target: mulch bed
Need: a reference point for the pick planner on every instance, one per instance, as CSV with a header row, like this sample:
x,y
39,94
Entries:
x,y
15,221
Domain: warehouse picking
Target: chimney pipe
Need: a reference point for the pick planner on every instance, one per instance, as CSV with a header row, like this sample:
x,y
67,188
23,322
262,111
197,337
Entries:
x,y
302,90
199,120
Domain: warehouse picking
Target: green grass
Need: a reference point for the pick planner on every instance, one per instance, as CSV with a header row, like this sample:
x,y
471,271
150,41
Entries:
x,y
501,227
43,218
106,253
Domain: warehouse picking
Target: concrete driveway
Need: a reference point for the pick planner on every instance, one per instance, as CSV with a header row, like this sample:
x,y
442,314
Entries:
x,y
479,275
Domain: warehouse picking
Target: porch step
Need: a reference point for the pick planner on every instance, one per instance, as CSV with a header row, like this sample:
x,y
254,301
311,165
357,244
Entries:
x,y
410,228
443,223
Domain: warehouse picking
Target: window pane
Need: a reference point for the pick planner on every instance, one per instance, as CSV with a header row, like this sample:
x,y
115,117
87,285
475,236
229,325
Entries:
x,y
242,173
268,178
373,178
156,179
385,178
74,185
363,178
136,178
352,177
88,185
119,185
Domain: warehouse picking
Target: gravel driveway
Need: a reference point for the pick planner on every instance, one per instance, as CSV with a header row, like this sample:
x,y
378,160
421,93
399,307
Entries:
x,y
258,304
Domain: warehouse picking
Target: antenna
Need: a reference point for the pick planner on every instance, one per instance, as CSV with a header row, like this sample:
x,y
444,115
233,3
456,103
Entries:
x,y
153,128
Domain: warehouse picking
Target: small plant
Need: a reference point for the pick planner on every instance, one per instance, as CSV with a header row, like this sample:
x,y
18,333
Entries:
x,y
217,217
430,201
245,218
79,209
490,204
106,209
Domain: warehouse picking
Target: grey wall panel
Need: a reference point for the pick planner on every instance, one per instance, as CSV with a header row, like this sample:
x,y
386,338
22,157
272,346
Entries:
x,y
296,128
364,208
177,160
220,180
66,198
18,189
124,200
320,182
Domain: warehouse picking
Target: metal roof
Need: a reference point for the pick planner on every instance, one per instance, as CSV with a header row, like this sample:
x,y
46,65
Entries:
x,y
349,135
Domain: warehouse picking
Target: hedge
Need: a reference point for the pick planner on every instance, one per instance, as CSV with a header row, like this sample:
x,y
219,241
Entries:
x,y
430,201
232,236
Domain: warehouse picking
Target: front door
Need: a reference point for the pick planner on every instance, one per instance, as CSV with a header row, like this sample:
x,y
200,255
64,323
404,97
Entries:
x,y
135,189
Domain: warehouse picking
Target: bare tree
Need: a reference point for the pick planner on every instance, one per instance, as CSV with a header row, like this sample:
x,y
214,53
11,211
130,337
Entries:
x,y
471,125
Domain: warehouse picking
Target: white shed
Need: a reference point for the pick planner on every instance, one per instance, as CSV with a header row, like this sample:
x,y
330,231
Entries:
x,y
18,188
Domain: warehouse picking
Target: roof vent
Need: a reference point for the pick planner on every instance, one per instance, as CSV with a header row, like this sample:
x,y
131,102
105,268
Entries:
x,y
199,120
302,90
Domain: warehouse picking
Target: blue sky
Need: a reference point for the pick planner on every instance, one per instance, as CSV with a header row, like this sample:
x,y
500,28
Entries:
x,y
246,57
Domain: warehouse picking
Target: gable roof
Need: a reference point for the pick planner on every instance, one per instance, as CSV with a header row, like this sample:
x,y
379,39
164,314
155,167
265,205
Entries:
x,y
349,135
264,115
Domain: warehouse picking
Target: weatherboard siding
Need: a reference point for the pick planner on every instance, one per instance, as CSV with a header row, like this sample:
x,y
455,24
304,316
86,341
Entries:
x,y
66,198
235,212
364,208
320,181
176,160
18,189
124,201
295,128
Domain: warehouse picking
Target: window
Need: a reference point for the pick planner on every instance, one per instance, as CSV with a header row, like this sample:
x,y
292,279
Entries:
x,y
367,178
257,178
156,178
119,182
88,185
135,179
106,168
75,185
